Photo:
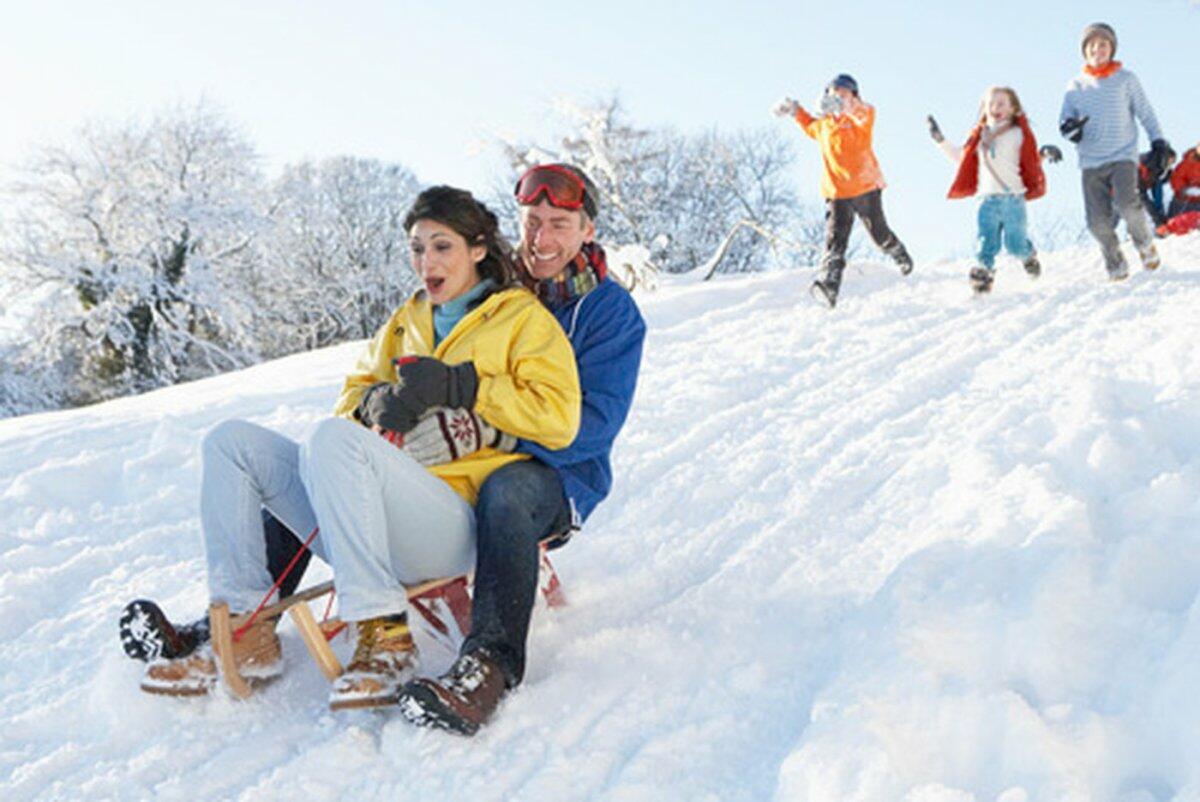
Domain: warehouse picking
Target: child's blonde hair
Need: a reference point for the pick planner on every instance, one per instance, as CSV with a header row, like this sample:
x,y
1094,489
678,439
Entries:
x,y
987,98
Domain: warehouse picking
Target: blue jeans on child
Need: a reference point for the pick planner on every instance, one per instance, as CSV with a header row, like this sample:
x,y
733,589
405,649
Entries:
x,y
1002,219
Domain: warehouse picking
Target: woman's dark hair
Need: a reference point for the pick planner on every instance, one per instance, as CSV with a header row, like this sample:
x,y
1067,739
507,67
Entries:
x,y
458,210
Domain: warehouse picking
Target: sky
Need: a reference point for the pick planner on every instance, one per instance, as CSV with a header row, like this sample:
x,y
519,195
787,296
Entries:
x,y
433,85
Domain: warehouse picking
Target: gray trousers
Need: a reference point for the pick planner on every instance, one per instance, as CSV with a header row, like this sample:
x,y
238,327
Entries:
x,y
1114,187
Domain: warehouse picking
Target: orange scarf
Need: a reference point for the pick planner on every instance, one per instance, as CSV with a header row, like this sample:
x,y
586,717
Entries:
x,y
1102,72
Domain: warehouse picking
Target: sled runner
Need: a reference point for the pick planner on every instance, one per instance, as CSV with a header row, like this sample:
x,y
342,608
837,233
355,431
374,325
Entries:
x,y
442,603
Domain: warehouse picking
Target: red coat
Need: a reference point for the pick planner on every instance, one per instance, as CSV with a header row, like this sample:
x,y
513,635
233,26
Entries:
x,y
966,182
1187,172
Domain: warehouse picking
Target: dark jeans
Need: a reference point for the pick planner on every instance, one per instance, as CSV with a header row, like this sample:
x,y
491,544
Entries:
x,y
1181,203
839,219
282,546
519,506
1152,201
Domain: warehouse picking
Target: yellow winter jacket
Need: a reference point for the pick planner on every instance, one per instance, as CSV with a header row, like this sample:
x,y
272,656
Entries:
x,y
528,382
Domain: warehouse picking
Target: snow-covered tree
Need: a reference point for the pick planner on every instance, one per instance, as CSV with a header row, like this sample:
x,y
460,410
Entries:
x,y
709,200
150,226
335,264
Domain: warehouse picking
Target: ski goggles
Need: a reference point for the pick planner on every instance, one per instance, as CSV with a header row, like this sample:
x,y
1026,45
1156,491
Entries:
x,y
561,187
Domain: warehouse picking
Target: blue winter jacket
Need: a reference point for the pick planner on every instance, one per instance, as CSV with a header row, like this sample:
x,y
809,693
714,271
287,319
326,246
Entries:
x,y
606,330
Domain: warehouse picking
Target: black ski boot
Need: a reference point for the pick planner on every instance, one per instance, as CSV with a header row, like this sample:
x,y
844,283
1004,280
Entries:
x,y
1032,266
905,262
825,292
147,634
981,280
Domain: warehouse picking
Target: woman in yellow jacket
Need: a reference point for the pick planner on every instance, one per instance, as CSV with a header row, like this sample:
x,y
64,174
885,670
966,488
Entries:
x,y
470,338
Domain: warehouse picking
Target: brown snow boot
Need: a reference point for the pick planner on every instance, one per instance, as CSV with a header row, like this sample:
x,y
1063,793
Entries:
x,y
257,654
1150,258
384,660
461,700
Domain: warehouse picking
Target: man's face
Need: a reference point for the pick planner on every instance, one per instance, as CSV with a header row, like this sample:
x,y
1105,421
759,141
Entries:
x,y
1098,51
551,237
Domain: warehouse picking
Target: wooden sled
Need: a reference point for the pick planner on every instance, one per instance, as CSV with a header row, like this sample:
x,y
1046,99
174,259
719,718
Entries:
x,y
427,599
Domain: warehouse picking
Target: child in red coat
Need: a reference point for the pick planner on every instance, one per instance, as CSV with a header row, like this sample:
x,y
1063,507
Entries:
x,y
1185,182
1001,163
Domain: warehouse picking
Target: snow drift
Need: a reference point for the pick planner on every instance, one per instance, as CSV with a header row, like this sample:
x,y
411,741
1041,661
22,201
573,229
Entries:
x,y
925,547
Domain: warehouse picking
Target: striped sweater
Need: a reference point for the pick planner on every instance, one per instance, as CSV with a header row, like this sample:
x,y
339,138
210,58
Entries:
x,y
1113,106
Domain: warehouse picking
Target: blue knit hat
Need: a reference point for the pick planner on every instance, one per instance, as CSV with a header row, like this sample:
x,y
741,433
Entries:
x,y
844,81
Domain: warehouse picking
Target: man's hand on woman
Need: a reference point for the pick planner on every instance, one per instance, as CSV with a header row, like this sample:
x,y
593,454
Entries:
x,y
445,435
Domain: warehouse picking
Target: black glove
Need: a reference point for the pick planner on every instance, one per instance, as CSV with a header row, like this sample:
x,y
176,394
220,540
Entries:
x,y
1072,128
934,131
1050,153
363,412
1159,162
423,383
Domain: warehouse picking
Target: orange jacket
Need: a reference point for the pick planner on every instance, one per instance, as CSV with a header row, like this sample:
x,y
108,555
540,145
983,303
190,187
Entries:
x,y
1187,172
850,166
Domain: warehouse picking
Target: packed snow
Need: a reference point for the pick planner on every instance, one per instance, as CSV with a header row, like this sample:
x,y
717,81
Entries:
x,y
925,547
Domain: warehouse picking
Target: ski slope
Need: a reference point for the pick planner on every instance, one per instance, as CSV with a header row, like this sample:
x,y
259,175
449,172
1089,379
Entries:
x,y
926,547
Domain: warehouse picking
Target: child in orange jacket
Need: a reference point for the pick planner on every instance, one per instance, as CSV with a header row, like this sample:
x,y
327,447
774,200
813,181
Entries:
x,y
852,182
1001,162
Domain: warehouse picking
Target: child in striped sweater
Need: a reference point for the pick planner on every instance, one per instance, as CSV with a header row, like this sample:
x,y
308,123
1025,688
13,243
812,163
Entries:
x,y
1100,113
1000,161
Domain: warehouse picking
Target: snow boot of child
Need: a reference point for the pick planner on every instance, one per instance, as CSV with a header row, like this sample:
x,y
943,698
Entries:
x,y
904,261
1150,257
1120,272
384,660
981,279
461,700
147,634
257,655
825,292
1033,268
826,289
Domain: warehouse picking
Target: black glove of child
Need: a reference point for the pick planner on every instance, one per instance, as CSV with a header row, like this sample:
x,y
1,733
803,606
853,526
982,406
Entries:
x,y
1050,153
1159,162
934,131
1072,128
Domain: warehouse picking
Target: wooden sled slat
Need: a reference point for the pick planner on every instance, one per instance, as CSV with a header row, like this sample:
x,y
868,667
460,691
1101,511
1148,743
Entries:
x,y
314,639
452,589
221,629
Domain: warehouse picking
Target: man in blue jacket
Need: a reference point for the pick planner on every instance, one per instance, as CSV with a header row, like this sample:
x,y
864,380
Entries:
x,y
549,496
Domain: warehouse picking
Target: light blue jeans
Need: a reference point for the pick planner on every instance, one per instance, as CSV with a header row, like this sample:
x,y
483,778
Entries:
x,y
385,520
1002,219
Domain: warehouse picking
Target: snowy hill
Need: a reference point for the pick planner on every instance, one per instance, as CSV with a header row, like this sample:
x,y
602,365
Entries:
x,y
926,547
